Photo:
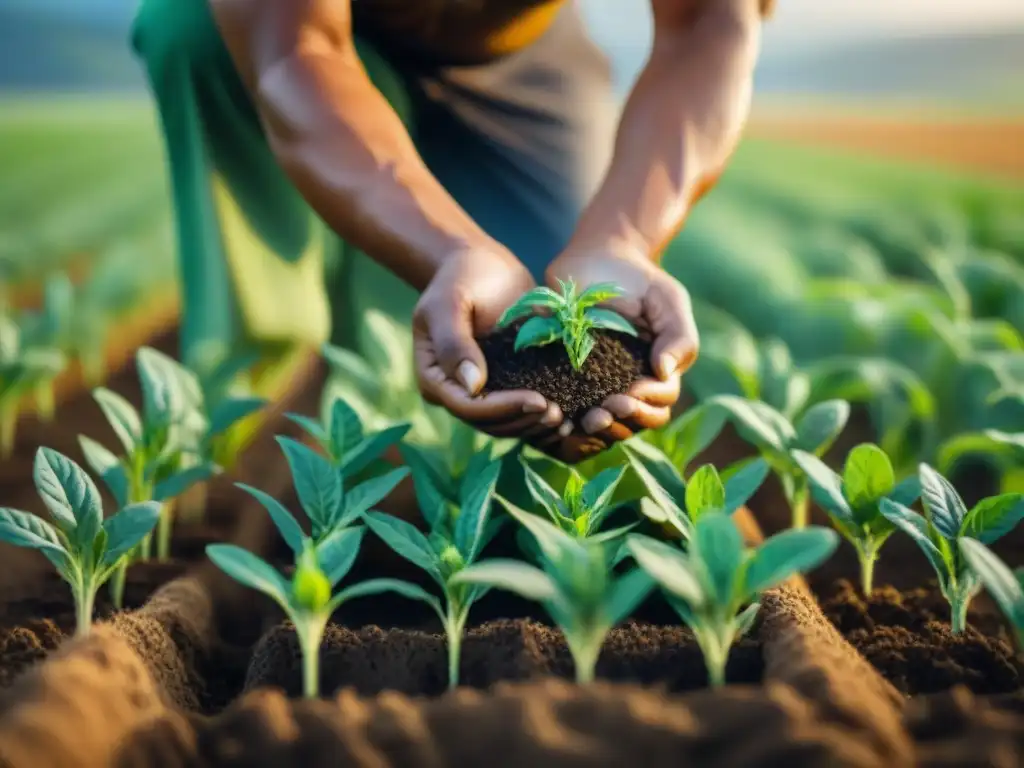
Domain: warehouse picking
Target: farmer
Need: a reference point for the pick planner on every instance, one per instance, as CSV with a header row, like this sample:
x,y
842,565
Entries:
x,y
461,149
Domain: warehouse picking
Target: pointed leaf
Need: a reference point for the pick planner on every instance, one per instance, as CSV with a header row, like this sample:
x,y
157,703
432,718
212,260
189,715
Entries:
x,y
473,514
944,506
380,586
669,566
598,493
338,551
551,540
826,486
372,448
542,493
427,484
915,526
661,480
745,621
405,539
1002,583
598,293
741,486
788,553
230,412
283,520
179,482
163,399
626,593
127,528
994,517
108,467
718,543
350,367
24,530
311,427
821,424
537,331
609,320
317,482
251,571
69,493
123,418
704,492
528,303
364,496
907,491
510,575
346,431
763,424
693,432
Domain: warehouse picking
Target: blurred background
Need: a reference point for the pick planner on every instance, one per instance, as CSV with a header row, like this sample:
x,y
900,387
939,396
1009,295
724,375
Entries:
x,y
869,233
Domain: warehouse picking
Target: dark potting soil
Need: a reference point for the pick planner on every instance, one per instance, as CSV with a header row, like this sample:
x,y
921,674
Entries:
x,y
615,363
907,637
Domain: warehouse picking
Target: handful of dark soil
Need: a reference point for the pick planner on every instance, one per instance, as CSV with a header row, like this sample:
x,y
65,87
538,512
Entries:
x,y
616,361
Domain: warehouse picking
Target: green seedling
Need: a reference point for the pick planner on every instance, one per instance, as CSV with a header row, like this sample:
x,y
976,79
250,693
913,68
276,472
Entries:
x,y
715,584
574,584
322,494
23,369
342,439
677,504
459,531
776,438
52,327
1004,585
85,549
853,500
681,441
308,599
572,318
945,523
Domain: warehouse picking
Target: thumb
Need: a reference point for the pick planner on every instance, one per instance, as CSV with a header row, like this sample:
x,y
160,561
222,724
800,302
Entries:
x,y
676,341
455,347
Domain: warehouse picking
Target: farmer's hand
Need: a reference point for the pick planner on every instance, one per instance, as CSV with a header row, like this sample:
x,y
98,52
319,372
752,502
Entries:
x,y
463,301
659,307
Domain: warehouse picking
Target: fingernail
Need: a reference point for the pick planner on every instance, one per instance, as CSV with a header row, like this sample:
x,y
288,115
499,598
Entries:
x,y
535,405
469,376
566,429
551,419
667,365
597,423
625,409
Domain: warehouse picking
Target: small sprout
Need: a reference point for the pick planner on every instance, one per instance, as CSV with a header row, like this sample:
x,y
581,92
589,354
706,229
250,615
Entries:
x,y
571,319
23,369
1005,586
459,531
342,439
84,548
715,584
776,438
574,584
853,501
945,523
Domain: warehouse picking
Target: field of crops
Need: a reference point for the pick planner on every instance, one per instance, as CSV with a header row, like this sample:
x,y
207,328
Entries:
x,y
809,566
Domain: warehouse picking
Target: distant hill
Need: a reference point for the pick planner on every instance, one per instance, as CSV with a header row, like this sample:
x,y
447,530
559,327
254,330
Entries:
x,y
961,67
56,52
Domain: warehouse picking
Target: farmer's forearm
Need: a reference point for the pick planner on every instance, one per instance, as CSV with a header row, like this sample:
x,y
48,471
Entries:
x,y
679,126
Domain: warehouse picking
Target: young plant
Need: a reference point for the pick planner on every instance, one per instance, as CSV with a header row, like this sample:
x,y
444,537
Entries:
x,y
853,500
51,328
945,523
84,548
582,507
776,438
574,583
1004,585
715,584
23,370
458,534
572,318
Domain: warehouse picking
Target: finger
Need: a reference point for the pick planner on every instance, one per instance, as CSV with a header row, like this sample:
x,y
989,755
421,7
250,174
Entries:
x,y
493,407
551,416
657,392
596,420
575,448
524,427
449,326
676,341
616,433
636,414
545,441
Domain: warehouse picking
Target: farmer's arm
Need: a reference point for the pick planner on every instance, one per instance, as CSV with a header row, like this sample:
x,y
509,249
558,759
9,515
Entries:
x,y
350,156
679,126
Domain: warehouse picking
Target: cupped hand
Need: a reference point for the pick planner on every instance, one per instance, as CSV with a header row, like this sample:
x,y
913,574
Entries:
x,y
659,307
463,301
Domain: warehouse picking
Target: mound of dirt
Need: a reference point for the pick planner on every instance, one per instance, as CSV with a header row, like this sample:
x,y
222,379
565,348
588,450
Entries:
x,y
615,363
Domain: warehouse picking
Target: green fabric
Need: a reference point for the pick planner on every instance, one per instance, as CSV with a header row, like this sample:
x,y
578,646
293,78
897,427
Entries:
x,y
252,254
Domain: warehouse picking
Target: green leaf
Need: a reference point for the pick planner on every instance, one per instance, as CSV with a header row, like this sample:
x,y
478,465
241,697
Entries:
x,y
405,539
338,551
704,492
906,492
598,493
867,475
826,486
626,594
669,566
788,553
745,621
659,477
310,426
283,520
552,540
528,304
371,449
542,493
718,543
1002,583
251,571
387,346
108,467
586,347
915,526
346,430
162,397
693,432
994,517
744,483
472,519
123,418
944,506
821,424
127,528
70,495
609,320
598,293
179,482
767,428
510,575
317,482
538,331
230,412
353,369
427,484
24,530
364,496
380,586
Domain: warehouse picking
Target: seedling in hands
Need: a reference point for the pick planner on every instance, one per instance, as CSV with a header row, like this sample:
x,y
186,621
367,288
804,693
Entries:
x,y
776,439
853,501
572,319
458,534
1005,586
574,584
715,584
945,523
84,548
23,369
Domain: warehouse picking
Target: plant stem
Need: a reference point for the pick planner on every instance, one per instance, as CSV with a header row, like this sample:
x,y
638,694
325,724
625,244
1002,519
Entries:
x,y
867,556
801,505
85,599
45,403
958,610
117,582
163,531
585,656
454,629
8,422
310,629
